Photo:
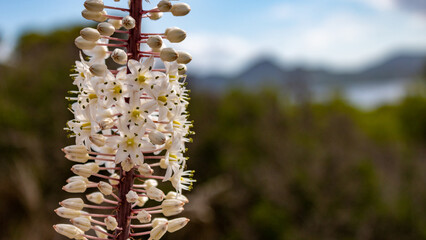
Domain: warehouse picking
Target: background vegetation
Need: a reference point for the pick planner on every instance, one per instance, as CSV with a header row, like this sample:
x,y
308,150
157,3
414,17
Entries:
x,y
266,169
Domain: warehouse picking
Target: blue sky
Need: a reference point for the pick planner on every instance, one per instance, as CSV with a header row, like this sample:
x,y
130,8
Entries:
x,y
226,35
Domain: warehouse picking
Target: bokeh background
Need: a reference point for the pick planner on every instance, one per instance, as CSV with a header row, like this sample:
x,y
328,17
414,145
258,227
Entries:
x,y
310,117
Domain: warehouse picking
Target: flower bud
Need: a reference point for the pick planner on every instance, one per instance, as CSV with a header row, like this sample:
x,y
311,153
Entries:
x,y
158,221
94,5
155,15
150,183
77,178
128,22
170,211
177,224
182,69
114,182
106,123
172,203
101,232
180,9
141,201
163,164
76,153
67,212
143,216
158,231
75,187
132,196
106,29
90,34
105,188
174,195
82,222
164,5
98,69
98,139
157,137
111,223
68,230
115,22
155,41
168,55
175,34
83,44
119,56
184,57
95,16
85,170
145,170
155,194
73,203
95,197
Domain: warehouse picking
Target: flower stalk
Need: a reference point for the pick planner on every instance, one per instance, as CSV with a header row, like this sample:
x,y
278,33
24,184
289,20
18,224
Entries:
x,y
130,127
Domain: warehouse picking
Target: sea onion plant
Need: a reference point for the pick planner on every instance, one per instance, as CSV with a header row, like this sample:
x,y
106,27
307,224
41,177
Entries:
x,y
130,127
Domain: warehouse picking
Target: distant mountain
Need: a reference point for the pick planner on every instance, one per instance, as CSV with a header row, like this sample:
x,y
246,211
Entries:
x,y
267,72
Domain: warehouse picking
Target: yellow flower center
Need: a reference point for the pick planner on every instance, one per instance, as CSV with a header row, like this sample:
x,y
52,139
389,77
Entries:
x,y
141,78
162,99
136,113
117,89
92,96
130,142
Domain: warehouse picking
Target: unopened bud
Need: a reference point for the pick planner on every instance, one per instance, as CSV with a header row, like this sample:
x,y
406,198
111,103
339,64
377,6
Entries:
x,y
164,5
182,69
75,187
128,22
155,41
184,57
174,195
68,230
95,16
143,216
95,197
114,182
98,139
172,203
106,29
145,169
73,203
170,211
132,196
94,5
157,137
98,69
85,170
101,232
76,153
67,212
119,56
83,44
150,183
175,34
141,201
168,55
82,222
155,194
105,188
158,231
115,22
90,34
177,224
111,223
77,178
158,221
106,123
155,15
180,9
163,164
